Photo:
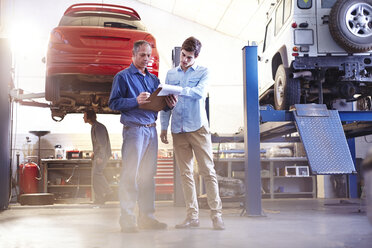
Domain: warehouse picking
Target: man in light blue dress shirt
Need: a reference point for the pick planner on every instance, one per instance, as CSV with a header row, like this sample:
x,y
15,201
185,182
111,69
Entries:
x,y
190,133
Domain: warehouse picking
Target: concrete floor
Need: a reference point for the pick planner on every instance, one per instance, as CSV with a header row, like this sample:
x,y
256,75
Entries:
x,y
288,223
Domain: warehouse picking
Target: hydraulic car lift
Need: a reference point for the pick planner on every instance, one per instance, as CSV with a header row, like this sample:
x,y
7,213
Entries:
x,y
7,95
18,96
321,131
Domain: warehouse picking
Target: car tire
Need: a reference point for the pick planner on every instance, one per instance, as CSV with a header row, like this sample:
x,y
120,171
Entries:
x,y
350,24
287,91
52,90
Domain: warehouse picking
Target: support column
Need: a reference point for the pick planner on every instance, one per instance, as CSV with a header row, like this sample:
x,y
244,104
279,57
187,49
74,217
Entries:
x,y
5,79
352,182
252,133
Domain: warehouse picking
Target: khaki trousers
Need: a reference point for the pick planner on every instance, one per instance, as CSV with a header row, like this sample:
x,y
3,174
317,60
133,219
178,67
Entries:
x,y
200,143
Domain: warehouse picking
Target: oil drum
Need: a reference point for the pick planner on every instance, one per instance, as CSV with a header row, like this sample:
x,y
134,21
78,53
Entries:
x,y
28,178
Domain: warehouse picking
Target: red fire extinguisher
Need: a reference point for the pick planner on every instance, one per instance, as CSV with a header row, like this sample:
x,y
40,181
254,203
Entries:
x,y
28,178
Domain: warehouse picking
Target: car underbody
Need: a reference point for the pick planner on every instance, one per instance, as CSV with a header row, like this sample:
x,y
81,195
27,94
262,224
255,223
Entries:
x,y
334,77
74,93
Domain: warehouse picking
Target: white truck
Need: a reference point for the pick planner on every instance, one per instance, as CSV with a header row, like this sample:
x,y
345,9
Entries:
x,y
316,51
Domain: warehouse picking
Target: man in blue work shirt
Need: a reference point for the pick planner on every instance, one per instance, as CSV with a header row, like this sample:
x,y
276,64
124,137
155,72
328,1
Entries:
x,y
190,134
131,89
101,155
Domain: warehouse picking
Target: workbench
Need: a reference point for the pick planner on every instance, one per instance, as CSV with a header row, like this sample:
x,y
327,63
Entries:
x,y
72,179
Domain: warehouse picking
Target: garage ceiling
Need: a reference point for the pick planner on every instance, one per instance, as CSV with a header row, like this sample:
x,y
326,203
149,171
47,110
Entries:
x,y
235,18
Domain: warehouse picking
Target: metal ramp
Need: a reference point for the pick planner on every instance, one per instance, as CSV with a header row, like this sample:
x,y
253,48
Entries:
x,y
323,138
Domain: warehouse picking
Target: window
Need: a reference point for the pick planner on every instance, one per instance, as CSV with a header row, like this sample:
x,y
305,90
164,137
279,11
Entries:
x,y
278,18
304,4
268,35
282,13
93,19
287,9
327,4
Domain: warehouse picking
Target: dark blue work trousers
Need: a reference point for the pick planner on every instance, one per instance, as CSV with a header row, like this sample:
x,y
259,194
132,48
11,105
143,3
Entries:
x,y
137,183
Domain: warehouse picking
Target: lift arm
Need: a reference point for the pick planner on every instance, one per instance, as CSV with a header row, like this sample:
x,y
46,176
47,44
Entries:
x,y
17,95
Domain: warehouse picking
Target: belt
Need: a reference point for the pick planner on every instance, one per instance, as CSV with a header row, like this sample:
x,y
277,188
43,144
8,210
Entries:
x,y
142,125
148,125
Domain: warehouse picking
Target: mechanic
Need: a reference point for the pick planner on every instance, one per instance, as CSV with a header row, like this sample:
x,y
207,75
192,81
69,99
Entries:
x,y
101,155
131,89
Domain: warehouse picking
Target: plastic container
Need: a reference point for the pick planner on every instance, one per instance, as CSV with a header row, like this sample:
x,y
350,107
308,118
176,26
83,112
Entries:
x,y
59,153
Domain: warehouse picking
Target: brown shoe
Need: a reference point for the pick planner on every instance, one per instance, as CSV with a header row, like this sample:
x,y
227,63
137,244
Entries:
x,y
188,223
218,223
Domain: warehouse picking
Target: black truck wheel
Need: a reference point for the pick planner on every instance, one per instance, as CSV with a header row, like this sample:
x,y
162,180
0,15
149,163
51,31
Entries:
x,y
287,91
350,24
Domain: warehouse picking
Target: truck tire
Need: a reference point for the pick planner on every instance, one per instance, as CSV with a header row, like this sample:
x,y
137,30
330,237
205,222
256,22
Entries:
x,y
350,24
287,91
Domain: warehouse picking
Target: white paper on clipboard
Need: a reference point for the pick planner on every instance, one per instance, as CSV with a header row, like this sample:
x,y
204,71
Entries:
x,y
167,89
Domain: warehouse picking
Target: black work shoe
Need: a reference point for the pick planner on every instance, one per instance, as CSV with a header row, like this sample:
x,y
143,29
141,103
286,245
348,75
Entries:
x,y
128,224
129,229
188,223
99,201
149,223
218,223
109,196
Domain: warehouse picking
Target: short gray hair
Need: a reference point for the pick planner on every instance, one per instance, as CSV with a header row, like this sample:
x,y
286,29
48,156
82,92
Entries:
x,y
137,45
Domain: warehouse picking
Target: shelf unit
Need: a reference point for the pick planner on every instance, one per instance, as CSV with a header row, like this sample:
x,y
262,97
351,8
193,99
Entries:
x,y
274,185
71,179
278,185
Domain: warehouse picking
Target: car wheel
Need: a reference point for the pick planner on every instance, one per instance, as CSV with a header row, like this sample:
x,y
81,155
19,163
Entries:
x,y
287,91
350,24
364,103
52,90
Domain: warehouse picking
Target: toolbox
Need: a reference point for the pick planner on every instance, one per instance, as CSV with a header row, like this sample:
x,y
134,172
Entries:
x,y
74,154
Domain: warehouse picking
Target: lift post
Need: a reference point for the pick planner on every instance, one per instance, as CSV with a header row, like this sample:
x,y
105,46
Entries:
x,y
5,80
252,163
276,124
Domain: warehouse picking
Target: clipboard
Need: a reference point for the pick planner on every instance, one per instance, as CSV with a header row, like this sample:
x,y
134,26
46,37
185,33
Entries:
x,y
157,102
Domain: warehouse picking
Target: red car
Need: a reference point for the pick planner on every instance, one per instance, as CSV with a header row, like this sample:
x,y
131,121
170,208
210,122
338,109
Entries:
x,y
90,45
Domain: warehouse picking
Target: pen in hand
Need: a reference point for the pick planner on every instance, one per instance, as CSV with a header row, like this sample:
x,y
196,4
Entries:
x,y
142,98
